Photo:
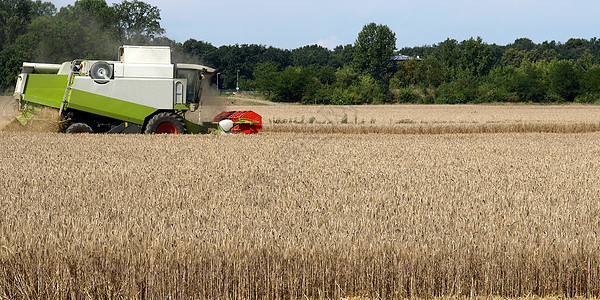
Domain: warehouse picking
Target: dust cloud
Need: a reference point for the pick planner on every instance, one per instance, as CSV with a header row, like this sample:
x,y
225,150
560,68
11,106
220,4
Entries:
x,y
210,105
9,109
210,102
44,120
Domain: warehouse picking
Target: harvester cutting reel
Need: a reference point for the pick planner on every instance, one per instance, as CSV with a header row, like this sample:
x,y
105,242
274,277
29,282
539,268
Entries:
x,y
245,121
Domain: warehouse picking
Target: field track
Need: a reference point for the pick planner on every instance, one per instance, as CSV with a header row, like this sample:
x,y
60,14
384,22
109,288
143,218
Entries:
x,y
295,215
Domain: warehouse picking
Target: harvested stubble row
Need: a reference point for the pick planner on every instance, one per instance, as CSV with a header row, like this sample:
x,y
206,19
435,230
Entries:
x,y
428,114
293,215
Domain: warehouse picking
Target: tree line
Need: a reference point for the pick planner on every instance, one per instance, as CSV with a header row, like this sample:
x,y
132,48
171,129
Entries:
x,y
35,31
469,71
449,72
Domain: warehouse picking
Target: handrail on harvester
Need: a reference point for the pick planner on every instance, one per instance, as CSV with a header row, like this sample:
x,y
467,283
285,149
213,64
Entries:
x,y
68,88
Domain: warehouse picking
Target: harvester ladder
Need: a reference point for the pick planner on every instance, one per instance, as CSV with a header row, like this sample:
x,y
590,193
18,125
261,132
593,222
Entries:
x,y
65,101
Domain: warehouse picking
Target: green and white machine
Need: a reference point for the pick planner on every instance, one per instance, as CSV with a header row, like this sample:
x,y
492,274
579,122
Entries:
x,y
142,92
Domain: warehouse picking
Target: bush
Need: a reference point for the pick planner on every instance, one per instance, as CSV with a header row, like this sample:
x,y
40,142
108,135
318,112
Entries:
x,y
318,94
490,92
588,98
369,91
462,90
562,81
343,96
590,81
527,83
408,95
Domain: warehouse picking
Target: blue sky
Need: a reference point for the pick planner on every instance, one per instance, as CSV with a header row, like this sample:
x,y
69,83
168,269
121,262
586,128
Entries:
x,y
292,24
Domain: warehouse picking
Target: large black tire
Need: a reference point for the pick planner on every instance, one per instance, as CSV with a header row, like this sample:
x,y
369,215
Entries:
x,y
165,122
79,128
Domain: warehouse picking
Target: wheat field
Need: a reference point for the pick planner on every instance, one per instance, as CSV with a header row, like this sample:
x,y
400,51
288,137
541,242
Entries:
x,y
426,114
429,119
301,215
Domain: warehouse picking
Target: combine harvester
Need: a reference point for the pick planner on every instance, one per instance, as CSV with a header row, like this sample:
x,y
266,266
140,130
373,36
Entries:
x,y
142,92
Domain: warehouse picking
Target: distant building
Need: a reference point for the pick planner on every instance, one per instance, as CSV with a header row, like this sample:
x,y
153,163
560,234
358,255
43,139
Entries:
x,y
402,57
395,60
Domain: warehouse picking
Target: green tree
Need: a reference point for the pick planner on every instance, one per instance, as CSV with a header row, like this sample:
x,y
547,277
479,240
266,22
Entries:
x,y
406,74
369,91
310,55
83,30
513,57
17,43
346,76
449,52
237,59
463,89
15,15
33,30
351,87
373,49
573,49
341,56
522,44
430,71
528,82
476,57
282,58
265,75
590,85
138,22
290,84
562,81
495,86
343,91
199,49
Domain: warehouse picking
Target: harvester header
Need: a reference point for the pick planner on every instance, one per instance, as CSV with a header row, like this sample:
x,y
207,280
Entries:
x,y
141,92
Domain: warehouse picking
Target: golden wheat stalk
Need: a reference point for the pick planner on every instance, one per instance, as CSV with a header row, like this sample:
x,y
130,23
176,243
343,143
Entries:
x,y
282,215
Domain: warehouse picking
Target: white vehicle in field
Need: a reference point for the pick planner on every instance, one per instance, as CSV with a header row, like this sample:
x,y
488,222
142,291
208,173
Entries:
x,y
142,92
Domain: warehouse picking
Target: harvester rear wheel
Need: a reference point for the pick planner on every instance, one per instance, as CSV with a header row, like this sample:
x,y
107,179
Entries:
x,y
79,128
165,122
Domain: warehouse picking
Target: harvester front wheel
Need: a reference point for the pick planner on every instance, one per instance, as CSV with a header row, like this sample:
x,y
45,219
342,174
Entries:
x,y
79,128
165,122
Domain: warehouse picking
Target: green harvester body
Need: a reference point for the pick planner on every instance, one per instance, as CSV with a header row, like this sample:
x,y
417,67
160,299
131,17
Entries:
x,y
104,94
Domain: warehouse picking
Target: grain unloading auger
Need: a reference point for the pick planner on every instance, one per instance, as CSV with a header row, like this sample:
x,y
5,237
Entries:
x,y
142,92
